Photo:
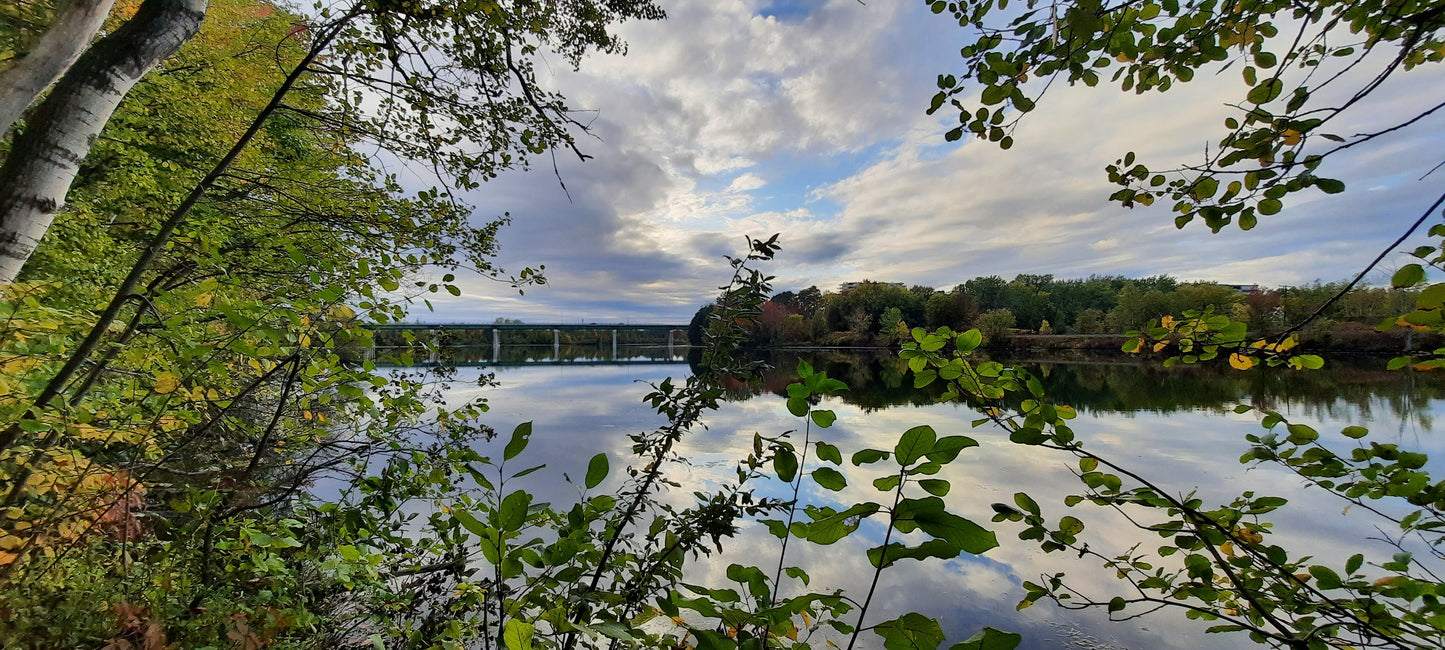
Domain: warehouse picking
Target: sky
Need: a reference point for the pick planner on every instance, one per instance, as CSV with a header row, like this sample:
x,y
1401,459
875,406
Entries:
x,y
806,118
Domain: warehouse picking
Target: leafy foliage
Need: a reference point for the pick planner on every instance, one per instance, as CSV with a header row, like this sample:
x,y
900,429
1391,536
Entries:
x,y
1292,57
1216,563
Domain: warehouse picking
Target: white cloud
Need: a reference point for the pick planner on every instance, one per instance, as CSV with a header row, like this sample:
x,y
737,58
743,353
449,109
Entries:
x,y
746,182
722,122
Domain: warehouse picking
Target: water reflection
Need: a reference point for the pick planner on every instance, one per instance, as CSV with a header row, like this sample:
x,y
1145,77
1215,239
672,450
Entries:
x,y
1174,425
1128,385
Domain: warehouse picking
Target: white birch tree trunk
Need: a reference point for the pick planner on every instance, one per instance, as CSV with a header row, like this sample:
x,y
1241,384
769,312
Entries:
x,y
59,133
76,22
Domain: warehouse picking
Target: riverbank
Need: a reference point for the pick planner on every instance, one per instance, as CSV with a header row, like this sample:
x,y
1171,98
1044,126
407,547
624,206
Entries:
x,y
1337,338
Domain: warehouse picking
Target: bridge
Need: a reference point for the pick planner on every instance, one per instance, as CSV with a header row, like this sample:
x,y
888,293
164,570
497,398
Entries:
x,y
556,328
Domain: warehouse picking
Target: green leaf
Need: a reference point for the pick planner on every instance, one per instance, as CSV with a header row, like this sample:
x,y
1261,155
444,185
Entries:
x,y
1431,297
1026,502
824,419
935,486
868,456
911,631
1355,432
829,478
829,453
1300,434
914,444
1325,577
1408,276
513,513
1329,185
836,526
518,441
993,95
1266,91
989,638
969,340
596,470
518,635
785,463
797,406
947,448
929,515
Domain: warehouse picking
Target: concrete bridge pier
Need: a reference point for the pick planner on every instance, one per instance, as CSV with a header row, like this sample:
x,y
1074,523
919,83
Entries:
x,y
614,345
496,345
556,343
669,343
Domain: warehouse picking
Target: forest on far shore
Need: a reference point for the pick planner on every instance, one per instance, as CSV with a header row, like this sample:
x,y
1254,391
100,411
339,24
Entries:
x,y
872,313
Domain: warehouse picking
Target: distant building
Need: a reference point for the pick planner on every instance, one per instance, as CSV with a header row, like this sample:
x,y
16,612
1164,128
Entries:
x,y
1244,288
849,286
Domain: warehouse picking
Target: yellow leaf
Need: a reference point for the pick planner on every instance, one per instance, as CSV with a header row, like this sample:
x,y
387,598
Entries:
x,y
167,383
304,340
1161,345
87,432
1227,548
1240,362
1291,137
1387,581
1167,321
342,312
203,300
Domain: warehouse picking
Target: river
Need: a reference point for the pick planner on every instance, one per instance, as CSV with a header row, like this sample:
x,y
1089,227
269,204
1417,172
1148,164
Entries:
x,y
1174,426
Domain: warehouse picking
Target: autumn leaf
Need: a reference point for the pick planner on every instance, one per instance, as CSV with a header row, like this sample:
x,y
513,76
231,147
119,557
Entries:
x,y
167,383
1240,362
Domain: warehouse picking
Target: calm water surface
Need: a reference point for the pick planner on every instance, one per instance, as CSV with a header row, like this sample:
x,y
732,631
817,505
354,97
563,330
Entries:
x,y
1174,426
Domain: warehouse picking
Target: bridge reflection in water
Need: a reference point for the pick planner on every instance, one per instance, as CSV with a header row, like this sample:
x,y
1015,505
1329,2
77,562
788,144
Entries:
x,y
528,355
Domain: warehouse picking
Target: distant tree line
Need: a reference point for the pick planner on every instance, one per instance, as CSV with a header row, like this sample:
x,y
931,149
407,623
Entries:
x,y
878,313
